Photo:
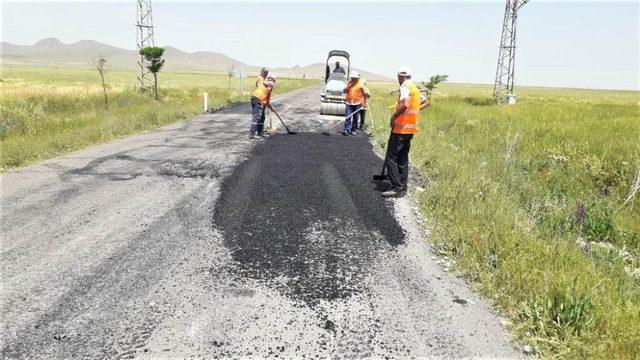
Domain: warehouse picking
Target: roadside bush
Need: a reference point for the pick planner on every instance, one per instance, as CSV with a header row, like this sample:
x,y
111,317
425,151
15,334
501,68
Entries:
x,y
598,223
20,118
571,311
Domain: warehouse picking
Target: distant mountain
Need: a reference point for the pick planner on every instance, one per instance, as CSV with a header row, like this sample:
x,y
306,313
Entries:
x,y
51,51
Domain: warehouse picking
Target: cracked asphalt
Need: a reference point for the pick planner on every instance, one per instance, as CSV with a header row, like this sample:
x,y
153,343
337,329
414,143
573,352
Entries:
x,y
192,241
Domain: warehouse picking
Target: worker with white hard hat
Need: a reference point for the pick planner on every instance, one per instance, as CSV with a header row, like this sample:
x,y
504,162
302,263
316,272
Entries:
x,y
404,124
354,95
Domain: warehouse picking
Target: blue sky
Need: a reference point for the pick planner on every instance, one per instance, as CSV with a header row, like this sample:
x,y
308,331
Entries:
x,y
574,44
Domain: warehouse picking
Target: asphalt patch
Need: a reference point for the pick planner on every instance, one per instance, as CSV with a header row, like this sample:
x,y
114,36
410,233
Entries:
x,y
302,215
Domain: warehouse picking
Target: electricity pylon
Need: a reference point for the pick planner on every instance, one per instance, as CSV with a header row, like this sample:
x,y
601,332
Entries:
x,y
505,73
144,35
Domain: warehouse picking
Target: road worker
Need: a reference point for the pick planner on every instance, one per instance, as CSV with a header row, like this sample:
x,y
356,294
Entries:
x,y
404,124
259,99
361,117
355,94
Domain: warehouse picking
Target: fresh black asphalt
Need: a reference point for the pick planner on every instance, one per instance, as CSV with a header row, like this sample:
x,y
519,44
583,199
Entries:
x,y
291,183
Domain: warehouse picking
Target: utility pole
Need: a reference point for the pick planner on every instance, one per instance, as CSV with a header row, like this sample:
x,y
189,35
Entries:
x,y
505,72
144,35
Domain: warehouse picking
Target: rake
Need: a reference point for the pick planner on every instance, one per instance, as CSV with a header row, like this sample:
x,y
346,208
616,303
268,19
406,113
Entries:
x,y
326,132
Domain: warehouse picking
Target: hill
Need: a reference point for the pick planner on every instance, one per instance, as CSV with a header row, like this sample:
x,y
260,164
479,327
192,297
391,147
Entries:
x,y
53,52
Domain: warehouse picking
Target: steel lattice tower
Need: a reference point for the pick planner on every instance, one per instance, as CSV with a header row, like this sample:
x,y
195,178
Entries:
x,y
144,35
505,73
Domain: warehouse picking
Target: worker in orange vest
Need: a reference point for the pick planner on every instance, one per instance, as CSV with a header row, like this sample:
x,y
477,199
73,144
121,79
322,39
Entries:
x,y
259,101
354,95
404,124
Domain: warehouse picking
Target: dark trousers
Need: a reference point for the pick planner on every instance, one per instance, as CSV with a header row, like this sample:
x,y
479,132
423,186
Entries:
x,y
257,116
351,123
362,115
397,160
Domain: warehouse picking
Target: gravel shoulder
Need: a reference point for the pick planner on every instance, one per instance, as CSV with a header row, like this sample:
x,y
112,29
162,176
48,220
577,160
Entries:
x,y
194,241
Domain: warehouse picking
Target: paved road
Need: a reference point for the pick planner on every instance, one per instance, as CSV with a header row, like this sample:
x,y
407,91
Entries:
x,y
194,241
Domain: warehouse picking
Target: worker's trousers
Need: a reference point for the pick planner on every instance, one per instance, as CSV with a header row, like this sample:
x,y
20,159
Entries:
x,y
397,160
257,116
350,123
361,117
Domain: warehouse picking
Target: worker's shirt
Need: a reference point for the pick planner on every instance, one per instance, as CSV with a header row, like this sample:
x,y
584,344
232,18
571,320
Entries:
x,y
269,86
405,91
261,93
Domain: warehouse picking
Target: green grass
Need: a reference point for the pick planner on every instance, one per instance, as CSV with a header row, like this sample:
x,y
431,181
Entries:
x,y
46,112
504,189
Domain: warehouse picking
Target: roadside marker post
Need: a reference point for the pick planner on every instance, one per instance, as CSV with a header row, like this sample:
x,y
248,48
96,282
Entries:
x,y
206,102
241,76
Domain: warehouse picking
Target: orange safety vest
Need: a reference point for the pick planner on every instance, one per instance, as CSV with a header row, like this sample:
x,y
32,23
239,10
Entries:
x,y
355,94
261,93
407,122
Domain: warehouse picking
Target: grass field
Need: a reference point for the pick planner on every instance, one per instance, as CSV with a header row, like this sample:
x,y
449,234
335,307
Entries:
x,y
529,201
46,112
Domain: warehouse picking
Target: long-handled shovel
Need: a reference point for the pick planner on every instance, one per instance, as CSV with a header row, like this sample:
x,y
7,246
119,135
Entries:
x,y
382,175
283,124
326,132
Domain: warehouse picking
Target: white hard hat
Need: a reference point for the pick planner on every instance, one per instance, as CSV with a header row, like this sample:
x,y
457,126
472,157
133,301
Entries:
x,y
355,74
272,77
404,71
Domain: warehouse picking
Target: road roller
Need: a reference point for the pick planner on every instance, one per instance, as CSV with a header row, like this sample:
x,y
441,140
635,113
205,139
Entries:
x,y
332,97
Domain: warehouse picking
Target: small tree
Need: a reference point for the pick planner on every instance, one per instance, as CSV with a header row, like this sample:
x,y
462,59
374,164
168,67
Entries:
x,y
432,84
154,56
230,73
100,63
